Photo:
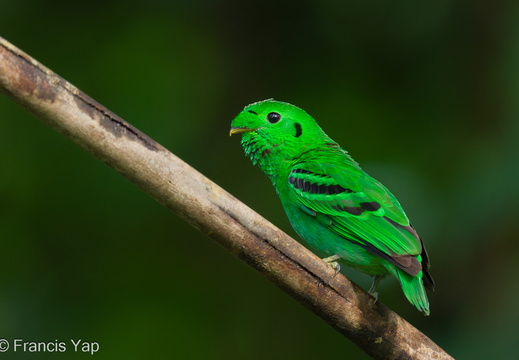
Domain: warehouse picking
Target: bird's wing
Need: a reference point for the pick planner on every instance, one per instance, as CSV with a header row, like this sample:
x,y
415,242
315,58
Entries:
x,y
357,207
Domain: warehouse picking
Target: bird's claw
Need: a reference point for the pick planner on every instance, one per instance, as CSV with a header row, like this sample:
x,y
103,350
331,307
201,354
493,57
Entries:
x,y
331,260
375,298
373,289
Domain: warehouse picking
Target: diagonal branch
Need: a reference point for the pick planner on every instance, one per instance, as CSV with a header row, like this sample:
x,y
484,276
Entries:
x,y
209,208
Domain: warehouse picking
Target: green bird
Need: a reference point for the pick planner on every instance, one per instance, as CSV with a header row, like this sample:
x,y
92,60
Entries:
x,y
330,201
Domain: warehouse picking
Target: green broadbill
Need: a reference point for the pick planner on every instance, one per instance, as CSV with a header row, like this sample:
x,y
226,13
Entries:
x,y
330,201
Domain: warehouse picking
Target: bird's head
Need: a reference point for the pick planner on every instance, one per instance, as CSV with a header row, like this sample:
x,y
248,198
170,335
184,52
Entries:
x,y
275,129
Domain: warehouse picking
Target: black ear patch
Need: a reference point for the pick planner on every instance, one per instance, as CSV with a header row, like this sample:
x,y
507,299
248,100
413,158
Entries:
x,y
252,112
299,130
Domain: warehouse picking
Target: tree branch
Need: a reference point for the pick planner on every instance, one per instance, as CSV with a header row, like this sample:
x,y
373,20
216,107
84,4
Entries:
x,y
342,304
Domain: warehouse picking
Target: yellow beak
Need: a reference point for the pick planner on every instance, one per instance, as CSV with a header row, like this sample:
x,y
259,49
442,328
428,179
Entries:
x,y
239,130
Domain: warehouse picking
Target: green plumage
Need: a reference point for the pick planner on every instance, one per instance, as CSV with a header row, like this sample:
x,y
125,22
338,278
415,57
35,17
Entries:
x,y
330,201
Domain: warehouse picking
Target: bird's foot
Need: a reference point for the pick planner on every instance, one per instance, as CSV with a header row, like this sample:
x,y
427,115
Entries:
x,y
332,261
373,289
375,298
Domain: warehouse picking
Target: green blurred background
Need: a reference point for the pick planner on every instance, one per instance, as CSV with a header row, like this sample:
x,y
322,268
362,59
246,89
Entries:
x,y
423,95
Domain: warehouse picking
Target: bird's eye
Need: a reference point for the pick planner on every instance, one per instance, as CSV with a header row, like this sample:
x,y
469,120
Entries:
x,y
273,117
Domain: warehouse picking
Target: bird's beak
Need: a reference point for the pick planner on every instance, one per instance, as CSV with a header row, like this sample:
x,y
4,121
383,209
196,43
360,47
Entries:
x,y
239,130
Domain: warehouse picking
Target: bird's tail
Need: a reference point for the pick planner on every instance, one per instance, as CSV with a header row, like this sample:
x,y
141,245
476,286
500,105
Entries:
x,y
413,288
